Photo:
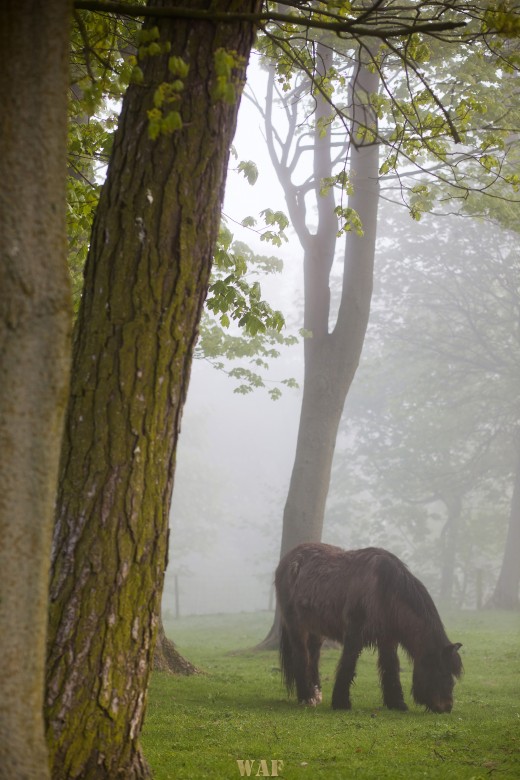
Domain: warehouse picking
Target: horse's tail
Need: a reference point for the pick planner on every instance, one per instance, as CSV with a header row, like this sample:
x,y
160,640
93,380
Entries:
x,y
287,660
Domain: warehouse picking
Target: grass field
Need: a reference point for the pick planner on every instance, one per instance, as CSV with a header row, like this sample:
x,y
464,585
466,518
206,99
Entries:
x,y
200,727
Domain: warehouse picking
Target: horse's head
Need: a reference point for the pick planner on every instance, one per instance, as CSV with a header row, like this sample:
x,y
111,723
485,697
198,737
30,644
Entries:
x,y
434,678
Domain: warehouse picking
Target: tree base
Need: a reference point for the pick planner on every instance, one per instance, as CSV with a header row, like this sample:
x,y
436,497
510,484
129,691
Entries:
x,y
272,640
168,659
503,601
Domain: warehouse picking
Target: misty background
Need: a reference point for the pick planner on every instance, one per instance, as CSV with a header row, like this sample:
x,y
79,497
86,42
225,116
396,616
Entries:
x,y
236,451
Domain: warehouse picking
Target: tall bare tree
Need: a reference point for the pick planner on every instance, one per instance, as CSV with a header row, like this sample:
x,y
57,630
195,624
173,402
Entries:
x,y
331,352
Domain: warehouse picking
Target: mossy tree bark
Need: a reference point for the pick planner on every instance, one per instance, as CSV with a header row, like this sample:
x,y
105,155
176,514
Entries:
x,y
145,282
35,326
331,356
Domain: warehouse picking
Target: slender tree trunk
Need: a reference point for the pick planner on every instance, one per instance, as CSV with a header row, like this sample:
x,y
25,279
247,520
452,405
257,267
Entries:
x,y
505,595
331,358
35,324
449,546
145,282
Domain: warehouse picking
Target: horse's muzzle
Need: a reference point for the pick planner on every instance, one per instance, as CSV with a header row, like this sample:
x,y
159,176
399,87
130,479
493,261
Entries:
x,y
441,706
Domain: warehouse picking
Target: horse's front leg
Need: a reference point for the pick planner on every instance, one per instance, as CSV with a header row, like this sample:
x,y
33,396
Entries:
x,y
389,674
314,643
346,671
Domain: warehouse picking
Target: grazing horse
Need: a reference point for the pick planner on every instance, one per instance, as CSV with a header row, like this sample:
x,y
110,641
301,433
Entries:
x,y
361,598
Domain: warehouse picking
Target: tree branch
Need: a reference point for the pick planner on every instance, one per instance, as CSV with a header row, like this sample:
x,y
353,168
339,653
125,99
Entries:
x,y
351,26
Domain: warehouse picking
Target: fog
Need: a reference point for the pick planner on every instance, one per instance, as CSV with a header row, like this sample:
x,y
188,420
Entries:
x,y
236,451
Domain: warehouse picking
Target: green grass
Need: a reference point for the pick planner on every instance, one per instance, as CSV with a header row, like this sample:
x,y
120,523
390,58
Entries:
x,y
197,727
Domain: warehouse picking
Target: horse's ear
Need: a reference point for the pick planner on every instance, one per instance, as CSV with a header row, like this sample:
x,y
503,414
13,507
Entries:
x,y
452,657
449,649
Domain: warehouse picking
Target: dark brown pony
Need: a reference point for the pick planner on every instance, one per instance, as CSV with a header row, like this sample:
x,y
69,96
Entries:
x,y
361,598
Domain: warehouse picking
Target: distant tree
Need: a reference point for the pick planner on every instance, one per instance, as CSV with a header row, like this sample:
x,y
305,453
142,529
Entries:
x,y
505,594
436,422
331,355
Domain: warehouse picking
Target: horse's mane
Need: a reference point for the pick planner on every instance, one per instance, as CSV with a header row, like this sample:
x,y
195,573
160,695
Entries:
x,y
395,577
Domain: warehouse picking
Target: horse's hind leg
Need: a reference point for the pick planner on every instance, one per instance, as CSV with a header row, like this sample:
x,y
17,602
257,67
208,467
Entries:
x,y
389,675
314,647
302,672
352,647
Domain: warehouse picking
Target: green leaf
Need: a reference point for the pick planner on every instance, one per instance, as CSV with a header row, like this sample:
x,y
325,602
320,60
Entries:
x,y
136,76
154,49
250,171
154,123
178,67
171,122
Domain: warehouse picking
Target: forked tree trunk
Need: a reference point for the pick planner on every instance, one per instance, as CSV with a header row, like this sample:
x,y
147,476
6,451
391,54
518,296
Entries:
x,y
145,282
35,325
505,595
331,358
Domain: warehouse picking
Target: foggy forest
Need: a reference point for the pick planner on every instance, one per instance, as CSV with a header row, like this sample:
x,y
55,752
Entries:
x,y
259,311
417,395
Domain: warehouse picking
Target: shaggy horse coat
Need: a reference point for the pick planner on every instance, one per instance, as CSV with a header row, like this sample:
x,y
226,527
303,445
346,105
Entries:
x,y
361,598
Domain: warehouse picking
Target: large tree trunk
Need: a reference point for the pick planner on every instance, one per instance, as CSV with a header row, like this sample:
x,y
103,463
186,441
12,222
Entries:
x,y
505,595
145,282
331,358
35,325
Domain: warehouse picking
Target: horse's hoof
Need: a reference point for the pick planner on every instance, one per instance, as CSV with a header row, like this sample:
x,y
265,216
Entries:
x,y
318,695
396,705
341,705
309,702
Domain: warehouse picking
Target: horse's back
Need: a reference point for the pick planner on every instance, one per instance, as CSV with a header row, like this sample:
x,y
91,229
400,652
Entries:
x,y
324,588
329,589
319,560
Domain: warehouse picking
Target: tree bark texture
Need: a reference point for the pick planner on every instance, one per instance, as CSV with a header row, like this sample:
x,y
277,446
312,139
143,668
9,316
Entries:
x,y
331,357
146,279
505,594
35,327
